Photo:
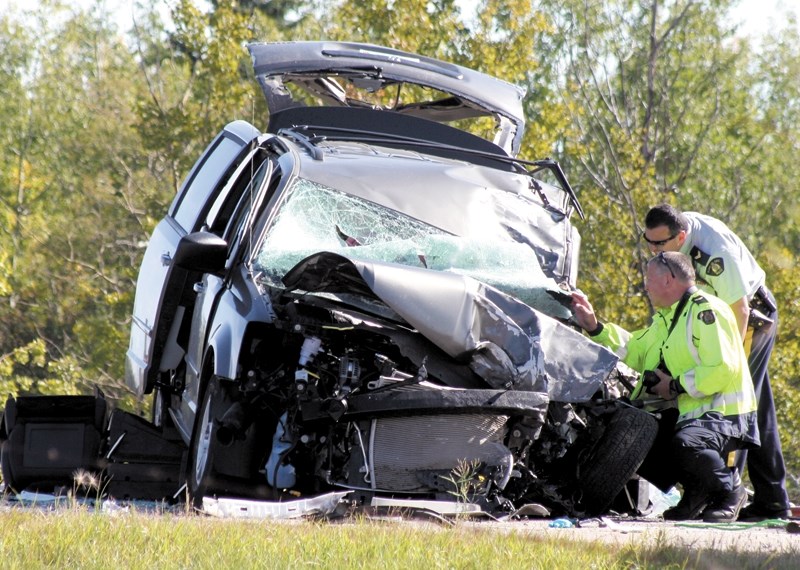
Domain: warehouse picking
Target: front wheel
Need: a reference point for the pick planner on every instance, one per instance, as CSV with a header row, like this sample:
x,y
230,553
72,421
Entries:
x,y
615,457
202,476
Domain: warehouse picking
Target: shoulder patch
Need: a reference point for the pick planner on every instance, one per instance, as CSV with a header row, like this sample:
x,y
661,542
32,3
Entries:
x,y
698,255
707,316
715,267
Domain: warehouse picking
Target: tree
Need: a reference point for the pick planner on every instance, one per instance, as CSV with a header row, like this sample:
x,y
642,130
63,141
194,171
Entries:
x,y
645,85
71,224
287,15
196,82
774,213
640,101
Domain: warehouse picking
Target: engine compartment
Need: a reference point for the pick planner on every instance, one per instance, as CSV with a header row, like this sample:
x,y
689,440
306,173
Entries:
x,y
342,401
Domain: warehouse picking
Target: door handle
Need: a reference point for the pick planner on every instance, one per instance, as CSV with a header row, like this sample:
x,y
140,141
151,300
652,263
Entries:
x,y
166,259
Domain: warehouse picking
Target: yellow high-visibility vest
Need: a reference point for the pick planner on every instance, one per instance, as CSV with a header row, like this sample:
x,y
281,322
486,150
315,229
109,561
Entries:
x,y
704,352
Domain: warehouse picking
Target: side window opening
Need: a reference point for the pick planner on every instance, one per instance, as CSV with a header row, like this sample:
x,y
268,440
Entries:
x,y
194,200
241,217
224,208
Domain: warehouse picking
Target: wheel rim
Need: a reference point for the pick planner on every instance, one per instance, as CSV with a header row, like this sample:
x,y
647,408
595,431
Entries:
x,y
203,444
158,408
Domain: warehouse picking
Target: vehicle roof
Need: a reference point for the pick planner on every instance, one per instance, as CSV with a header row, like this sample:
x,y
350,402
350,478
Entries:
x,y
315,66
425,187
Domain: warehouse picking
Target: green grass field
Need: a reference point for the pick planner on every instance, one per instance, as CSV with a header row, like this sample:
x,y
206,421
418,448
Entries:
x,y
79,538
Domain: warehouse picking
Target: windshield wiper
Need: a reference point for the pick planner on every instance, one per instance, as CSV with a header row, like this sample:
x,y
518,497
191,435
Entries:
x,y
555,168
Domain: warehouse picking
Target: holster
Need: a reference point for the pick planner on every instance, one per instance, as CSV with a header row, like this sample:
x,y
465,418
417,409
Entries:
x,y
758,319
760,306
762,301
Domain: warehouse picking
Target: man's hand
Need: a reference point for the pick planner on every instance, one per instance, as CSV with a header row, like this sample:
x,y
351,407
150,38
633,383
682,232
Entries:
x,y
583,311
662,389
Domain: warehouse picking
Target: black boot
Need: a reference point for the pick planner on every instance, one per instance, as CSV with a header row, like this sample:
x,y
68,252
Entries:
x,y
755,512
690,506
725,506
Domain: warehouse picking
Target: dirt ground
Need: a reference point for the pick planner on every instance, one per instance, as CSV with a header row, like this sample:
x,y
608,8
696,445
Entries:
x,y
768,537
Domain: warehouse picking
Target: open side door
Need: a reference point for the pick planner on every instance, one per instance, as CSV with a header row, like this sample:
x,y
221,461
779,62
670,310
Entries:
x,y
163,290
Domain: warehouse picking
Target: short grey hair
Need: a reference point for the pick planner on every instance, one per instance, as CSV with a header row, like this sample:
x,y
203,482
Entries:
x,y
676,263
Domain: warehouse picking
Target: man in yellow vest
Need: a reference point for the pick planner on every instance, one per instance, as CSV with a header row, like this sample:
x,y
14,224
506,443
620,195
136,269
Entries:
x,y
691,356
725,268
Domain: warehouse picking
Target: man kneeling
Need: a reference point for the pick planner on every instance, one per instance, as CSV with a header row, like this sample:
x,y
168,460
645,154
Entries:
x,y
691,355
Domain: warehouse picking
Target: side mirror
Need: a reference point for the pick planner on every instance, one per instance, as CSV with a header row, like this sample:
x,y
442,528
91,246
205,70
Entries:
x,y
201,251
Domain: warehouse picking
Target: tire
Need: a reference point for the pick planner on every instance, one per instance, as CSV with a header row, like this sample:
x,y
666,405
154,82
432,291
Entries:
x,y
614,459
202,477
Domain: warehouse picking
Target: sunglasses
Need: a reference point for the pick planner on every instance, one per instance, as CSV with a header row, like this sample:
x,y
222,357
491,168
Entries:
x,y
658,242
663,259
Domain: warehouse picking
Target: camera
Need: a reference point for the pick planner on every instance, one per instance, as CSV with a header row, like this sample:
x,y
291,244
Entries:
x,y
650,378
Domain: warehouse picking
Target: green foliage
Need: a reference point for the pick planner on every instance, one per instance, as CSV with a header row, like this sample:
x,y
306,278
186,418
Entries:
x,y
62,249
784,363
285,14
386,22
196,83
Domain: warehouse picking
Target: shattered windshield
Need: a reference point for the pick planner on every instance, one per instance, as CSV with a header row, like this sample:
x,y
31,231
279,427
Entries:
x,y
315,218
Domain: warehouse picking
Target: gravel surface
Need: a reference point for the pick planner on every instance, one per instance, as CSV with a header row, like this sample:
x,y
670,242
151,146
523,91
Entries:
x,y
767,537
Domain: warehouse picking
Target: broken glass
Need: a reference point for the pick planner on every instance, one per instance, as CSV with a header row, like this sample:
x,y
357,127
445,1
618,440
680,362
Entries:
x,y
314,218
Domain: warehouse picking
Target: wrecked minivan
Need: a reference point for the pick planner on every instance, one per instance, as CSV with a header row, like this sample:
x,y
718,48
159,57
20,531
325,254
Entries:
x,y
364,302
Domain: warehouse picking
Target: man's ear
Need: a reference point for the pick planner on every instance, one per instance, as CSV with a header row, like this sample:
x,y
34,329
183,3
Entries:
x,y
681,237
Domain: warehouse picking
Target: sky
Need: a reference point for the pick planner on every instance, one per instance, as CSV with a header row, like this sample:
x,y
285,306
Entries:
x,y
758,17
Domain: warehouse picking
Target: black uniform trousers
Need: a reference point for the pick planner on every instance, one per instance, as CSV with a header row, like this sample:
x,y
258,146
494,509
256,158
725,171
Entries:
x,y
692,455
765,464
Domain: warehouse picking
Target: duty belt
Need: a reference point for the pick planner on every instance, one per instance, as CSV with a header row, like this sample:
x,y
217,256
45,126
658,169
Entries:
x,y
761,305
762,301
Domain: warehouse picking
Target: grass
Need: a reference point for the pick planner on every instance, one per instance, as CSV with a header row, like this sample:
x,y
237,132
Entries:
x,y
79,538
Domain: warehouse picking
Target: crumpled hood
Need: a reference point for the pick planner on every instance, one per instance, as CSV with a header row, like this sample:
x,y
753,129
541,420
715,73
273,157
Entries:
x,y
506,342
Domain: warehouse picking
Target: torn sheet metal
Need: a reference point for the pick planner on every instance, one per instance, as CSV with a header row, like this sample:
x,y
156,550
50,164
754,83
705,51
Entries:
x,y
508,343
530,510
321,505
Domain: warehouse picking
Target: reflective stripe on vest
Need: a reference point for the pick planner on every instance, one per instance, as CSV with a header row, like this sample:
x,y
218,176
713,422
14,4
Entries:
x,y
688,378
741,402
690,385
689,340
